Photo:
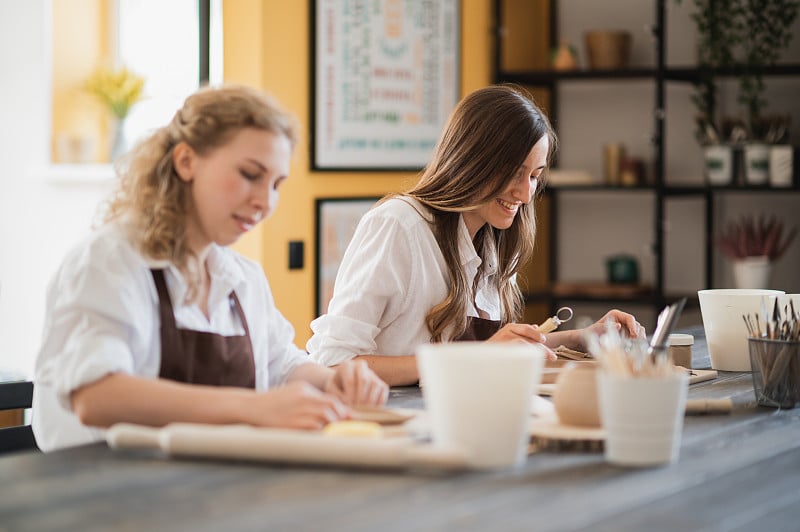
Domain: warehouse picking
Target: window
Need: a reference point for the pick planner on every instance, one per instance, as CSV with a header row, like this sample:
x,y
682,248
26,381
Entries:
x,y
160,41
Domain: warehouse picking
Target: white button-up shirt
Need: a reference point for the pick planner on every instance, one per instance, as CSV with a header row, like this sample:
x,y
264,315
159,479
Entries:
x,y
102,318
392,274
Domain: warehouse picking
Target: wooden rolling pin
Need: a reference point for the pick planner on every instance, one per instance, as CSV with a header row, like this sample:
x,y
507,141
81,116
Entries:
x,y
240,442
698,407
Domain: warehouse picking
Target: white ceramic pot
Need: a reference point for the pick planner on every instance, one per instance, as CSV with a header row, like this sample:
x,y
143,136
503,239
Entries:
x,y
752,272
718,164
478,397
725,330
781,165
642,417
756,163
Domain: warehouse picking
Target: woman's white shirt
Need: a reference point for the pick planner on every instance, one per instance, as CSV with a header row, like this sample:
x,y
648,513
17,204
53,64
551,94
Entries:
x,y
391,275
102,318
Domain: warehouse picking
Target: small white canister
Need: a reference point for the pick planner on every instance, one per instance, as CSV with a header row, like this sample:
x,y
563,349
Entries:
x,y
680,349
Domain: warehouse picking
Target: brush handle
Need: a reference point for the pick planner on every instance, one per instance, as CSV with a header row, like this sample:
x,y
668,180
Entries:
x,y
549,325
709,406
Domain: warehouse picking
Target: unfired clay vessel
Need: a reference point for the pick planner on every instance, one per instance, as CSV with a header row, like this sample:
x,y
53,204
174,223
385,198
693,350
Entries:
x,y
575,396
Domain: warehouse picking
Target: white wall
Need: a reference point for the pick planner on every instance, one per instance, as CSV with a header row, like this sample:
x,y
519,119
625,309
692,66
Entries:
x,y
591,113
39,220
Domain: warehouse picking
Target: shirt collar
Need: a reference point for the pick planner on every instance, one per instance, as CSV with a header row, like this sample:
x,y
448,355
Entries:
x,y
226,274
467,250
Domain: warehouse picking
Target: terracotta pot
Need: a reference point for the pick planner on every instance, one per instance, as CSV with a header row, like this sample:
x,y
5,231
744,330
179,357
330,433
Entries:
x,y
608,49
575,396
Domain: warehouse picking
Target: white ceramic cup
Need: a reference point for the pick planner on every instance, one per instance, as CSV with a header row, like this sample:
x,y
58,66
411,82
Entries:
x,y
642,417
478,397
726,333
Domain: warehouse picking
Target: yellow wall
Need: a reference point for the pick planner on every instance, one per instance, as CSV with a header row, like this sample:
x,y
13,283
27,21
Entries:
x,y
267,43
80,42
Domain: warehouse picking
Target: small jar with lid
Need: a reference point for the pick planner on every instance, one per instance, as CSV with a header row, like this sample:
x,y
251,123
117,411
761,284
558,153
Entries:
x,y
680,349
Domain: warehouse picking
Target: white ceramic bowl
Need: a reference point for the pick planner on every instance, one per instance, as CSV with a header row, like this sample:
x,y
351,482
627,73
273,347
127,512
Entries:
x,y
726,333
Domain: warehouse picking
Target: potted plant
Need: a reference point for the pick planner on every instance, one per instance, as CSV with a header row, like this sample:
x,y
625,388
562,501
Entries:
x,y
717,35
767,31
744,36
753,244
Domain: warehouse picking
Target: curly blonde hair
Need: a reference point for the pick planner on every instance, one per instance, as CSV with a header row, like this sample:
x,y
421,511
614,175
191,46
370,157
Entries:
x,y
485,141
153,200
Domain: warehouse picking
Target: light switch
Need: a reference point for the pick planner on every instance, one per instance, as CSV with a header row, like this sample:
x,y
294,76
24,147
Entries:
x,y
296,255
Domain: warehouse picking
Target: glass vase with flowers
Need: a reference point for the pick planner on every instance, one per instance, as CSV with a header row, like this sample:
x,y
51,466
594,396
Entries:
x,y
118,89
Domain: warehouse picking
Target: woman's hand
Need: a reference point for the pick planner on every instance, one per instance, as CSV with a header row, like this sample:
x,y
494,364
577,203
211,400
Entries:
x,y
522,332
355,384
625,324
296,405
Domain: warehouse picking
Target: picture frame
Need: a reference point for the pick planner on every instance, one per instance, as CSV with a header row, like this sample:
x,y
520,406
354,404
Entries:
x,y
335,222
385,75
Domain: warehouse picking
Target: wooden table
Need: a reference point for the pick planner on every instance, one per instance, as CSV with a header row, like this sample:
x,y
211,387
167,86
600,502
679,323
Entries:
x,y
735,472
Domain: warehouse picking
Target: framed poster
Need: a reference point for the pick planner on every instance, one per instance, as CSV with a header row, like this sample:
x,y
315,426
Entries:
x,y
336,221
385,76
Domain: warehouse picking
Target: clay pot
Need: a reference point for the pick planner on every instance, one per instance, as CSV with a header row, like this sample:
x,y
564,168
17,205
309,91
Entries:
x,y
575,396
608,49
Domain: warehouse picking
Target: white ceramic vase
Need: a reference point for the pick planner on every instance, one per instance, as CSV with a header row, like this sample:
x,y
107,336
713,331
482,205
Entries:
x,y
752,272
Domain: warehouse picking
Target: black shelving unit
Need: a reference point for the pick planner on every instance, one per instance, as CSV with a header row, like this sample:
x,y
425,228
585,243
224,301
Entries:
x,y
660,74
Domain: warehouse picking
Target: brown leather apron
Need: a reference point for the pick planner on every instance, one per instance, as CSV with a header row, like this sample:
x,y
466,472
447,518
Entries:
x,y
478,330
199,357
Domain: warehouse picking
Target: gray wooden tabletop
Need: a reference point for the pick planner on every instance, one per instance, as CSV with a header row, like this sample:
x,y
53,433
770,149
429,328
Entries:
x,y
735,472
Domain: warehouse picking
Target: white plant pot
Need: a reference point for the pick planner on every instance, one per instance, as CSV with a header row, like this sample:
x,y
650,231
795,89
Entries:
x,y
781,165
718,164
752,272
756,163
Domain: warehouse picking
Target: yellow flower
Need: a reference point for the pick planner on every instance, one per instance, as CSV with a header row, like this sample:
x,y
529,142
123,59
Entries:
x,y
118,89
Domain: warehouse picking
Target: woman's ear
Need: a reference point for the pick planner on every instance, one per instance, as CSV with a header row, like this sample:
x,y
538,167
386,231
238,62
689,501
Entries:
x,y
183,160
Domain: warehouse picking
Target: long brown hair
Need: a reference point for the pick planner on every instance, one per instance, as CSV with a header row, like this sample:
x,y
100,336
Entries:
x,y
487,138
154,200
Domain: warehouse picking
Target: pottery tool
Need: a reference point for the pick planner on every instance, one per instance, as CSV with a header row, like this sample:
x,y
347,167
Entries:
x,y
564,314
667,320
571,354
382,416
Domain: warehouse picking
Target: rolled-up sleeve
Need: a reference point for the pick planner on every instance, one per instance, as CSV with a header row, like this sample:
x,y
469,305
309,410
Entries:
x,y
371,290
90,326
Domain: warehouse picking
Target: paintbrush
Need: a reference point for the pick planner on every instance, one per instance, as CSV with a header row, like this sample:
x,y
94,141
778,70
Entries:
x,y
667,320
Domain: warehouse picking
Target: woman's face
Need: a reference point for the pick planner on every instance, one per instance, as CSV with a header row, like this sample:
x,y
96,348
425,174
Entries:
x,y
234,186
499,212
